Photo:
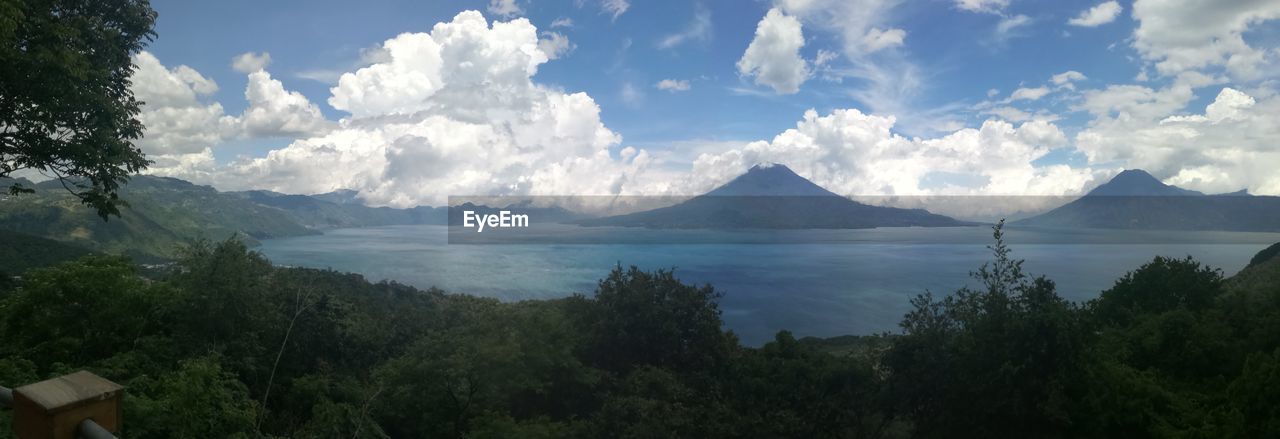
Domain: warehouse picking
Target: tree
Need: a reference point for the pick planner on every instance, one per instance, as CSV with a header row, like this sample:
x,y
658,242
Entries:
x,y
1005,360
651,318
79,312
65,103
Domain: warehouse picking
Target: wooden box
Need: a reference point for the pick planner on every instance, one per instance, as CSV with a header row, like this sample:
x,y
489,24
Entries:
x,y
53,409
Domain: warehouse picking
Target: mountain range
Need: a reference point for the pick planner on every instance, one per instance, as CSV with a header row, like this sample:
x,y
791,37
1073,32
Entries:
x,y
773,197
163,213
1135,199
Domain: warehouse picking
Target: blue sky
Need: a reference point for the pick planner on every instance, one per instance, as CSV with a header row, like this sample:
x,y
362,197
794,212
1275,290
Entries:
x,y
954,66
307,37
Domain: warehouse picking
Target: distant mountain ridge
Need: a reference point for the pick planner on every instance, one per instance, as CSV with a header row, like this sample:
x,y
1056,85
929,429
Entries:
x,y
773,197
1135,199
339,209
165,212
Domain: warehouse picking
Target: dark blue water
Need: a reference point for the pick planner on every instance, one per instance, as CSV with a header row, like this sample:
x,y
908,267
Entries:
x,y
836,282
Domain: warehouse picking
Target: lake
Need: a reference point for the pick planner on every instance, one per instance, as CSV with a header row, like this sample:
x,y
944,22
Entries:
x,y
811,282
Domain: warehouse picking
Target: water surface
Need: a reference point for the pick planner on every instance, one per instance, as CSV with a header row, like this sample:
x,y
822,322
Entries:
x,y
819,282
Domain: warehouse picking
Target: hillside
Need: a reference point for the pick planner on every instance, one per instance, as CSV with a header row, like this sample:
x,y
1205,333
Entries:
x,y
19,252
163,213
1136,200
1261,278
774,197
341,209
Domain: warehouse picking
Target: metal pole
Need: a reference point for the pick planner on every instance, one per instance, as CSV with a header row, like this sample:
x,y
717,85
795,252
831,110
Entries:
x,y
91,430
6,397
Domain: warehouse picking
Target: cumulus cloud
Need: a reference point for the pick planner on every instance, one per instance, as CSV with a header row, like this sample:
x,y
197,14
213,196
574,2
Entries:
x,y
1178,36
673,85
274,111
180,128
1098,15
853,153
250,62
1227,147
455,112
773,57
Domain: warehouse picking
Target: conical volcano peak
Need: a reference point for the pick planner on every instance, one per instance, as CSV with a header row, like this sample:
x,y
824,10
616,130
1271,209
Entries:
x,y
770,179
1136,182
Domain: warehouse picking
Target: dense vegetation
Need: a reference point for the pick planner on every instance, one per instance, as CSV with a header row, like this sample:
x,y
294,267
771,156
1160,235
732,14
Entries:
x,y
226,345
66,107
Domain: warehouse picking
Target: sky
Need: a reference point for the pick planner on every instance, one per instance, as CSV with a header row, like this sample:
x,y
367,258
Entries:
x,y
411,102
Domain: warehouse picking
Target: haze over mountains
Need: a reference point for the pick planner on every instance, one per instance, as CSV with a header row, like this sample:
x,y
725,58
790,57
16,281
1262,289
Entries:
x,y
1136,200
774,197
165,212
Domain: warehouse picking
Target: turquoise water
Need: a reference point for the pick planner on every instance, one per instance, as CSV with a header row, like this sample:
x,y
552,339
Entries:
x,y
833,282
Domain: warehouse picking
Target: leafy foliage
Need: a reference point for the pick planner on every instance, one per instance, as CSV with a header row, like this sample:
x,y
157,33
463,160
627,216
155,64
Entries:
x,y
65,102
223,344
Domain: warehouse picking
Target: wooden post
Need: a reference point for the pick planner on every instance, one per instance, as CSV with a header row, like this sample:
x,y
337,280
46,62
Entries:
x,y
54,409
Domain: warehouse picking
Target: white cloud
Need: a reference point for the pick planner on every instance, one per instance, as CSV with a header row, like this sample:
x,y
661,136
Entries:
x,y
565,22
697,30
250,62
505,8
861,24
773,57
180,128
274,111
1229,146
852,153
555,45
673,85
1007,25
985,6
824,57
885,80
418,76
1178,36
1068,79
1098,15
1028,94
877,39
455,112
615,8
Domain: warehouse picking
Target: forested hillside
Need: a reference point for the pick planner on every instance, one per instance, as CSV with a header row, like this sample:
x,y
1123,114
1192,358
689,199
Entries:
x,y
163,213
248,349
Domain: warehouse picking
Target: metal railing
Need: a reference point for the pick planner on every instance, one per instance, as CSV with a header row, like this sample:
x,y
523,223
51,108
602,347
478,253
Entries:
x,y
86,430
91,430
